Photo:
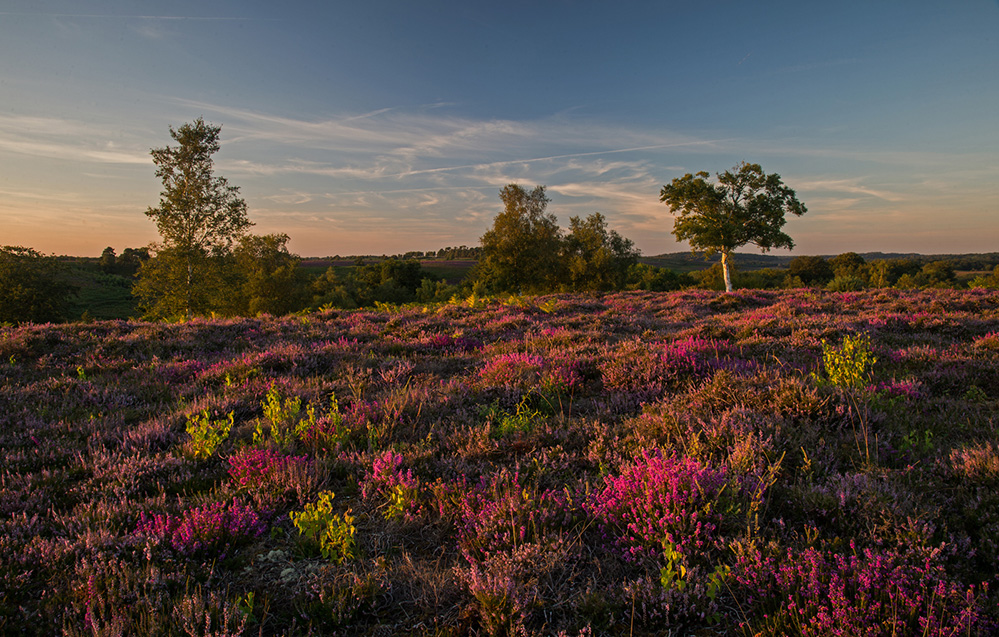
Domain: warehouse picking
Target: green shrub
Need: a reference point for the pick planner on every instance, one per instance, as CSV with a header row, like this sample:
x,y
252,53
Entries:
x,y
332,532
207,434
849,366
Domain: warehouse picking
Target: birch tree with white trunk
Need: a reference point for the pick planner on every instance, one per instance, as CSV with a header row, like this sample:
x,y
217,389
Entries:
x,y
745,206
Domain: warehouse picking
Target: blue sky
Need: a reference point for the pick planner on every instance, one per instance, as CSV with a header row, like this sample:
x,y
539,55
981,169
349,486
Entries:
x,y
386,126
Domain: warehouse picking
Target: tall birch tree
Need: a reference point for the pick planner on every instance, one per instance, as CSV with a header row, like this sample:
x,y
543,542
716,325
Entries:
x,y
199,217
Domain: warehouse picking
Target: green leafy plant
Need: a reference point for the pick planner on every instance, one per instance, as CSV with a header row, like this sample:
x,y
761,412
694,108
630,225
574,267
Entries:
x,y
329,429
282,415
674,573
521,420
918,441
207,434
334,533
400,501
849,365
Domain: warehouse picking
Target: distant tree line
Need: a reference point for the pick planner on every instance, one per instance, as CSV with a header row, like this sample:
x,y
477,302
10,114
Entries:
x,y
445,254
126,264
847,272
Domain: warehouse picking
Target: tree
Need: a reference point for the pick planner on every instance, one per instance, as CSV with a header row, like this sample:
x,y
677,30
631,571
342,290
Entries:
x,y
200,215
130,260
174,285
107,260
744,207
271,281
809,271
597,259
520,253
849,264
30,287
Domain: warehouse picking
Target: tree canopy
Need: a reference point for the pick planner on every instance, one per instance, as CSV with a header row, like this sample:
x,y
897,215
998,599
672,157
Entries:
x,y
31,288
200,216
596,258
746,206
520,253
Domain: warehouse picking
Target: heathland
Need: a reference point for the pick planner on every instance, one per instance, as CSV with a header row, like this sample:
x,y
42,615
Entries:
x,y
766,462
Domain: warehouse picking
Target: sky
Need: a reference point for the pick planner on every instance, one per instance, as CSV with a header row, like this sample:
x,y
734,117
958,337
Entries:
x,y
381,127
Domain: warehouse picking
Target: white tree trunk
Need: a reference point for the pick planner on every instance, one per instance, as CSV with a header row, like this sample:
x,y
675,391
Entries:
x,y
725,271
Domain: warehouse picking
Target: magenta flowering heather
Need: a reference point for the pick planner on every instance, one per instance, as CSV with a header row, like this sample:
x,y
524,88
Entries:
x,y
661,499
213,528
865,592
255,467
500,514
516,369
388,481
653,367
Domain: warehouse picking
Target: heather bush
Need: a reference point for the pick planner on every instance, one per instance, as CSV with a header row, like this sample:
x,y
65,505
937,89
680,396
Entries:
x,y
862,592
214,529
661,500
334,598
201,614
398,491
501,513
654,368
270,476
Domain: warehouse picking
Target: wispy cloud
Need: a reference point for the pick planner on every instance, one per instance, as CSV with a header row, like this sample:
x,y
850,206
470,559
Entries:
x,y
852,186
65,139
423,174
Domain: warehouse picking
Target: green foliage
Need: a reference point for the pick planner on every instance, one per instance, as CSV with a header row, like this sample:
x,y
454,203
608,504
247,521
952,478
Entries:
x,y
392,281
596,259
107,260
849,264
809,271
400,501
177,284
744,207
199,217
642,276
270,281
207,434
849,366
674,573
522,419
32,289
334,533
846,283
520,253
989,282
282,415
334,429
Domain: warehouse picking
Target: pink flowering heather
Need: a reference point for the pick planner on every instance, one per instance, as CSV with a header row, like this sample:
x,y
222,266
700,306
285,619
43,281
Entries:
x,y
639,366
212,529
263,467
909,389
661,499
864,592
501,514
388,482
517,369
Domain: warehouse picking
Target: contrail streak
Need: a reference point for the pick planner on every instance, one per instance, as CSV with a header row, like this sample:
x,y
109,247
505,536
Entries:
x,y
126,17
549,158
